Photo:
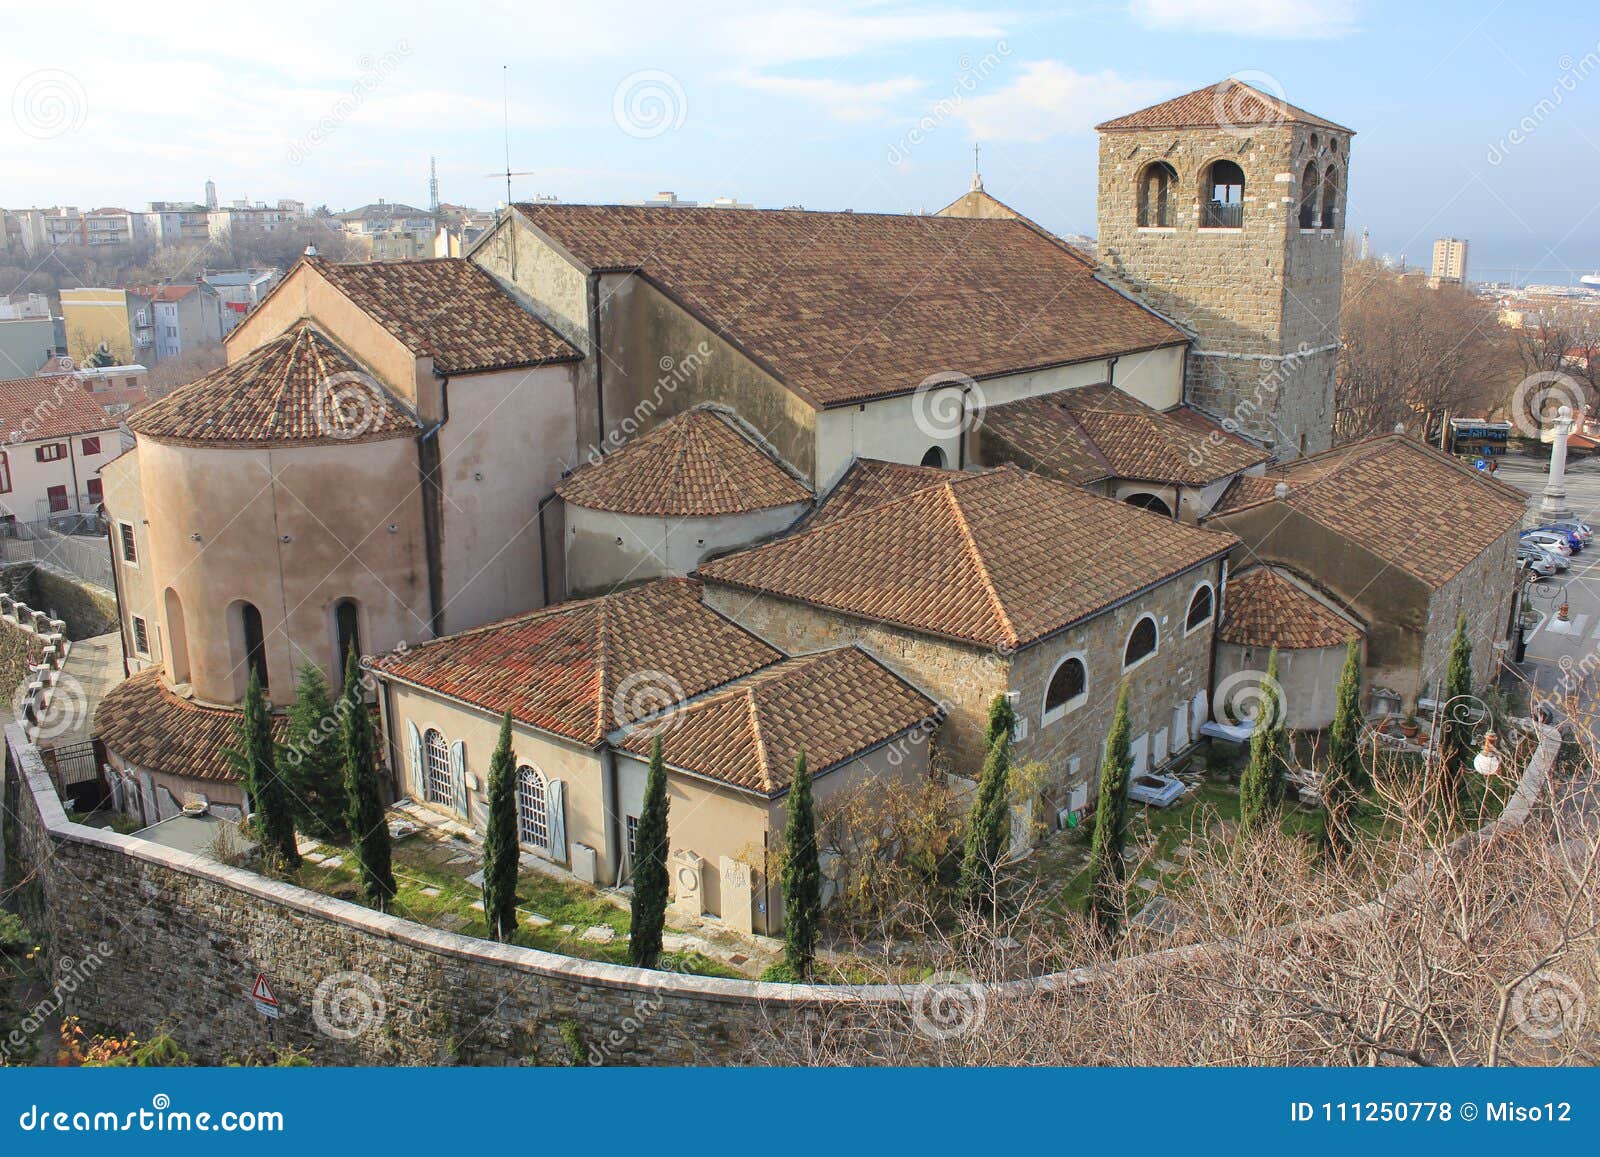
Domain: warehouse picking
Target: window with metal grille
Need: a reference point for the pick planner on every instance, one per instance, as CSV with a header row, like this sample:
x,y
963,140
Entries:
x,y
533,816
633,839
141,636
129,553
436,769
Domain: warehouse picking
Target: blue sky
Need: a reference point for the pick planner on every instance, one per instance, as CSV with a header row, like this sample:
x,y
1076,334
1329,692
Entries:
x,y
872,106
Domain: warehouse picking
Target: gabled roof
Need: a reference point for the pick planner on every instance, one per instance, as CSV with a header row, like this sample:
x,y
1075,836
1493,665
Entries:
x,y
53,406
847,307
297,390
702,462
871,482
381,210
1229,102
835,704
451,310
1095,432
1265,608
1002,558
585,668
158,731
1419,510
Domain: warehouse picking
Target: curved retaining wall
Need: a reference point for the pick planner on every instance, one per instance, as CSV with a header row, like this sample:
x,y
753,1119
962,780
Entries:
x,y
143,937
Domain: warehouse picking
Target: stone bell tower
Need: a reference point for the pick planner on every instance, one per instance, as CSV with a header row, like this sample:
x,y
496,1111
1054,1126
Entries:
x,y
1224,210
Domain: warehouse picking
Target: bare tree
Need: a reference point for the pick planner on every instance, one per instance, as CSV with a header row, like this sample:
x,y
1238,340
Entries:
x,y
1562,339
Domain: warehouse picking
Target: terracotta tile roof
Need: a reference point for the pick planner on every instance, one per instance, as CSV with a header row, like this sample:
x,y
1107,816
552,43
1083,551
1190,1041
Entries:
x,y
163,292
449,309
141,720
871,482
702,462
1002,558
1095,432
1419,510
1263,608
836,704
297,390
844,307
54,406
582,669
1228,102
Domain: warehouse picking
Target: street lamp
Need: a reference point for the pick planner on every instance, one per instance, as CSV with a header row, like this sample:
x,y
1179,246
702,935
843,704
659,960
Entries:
x,y
1487,761
1468,711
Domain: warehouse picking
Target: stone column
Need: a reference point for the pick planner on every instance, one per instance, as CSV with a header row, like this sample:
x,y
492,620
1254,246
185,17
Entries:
x,y
1553,506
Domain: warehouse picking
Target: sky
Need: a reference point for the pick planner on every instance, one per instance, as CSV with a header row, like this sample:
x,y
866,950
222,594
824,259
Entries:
x,y
1477,118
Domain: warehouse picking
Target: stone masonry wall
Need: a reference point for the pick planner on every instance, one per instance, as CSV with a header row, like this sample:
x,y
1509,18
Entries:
x,y
1484,589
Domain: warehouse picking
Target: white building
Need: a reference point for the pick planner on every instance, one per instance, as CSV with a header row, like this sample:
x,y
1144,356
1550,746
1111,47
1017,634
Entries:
x,y
56,438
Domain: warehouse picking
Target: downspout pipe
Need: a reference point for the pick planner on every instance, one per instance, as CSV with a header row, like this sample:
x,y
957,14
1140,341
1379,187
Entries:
x,y
599,363
428,463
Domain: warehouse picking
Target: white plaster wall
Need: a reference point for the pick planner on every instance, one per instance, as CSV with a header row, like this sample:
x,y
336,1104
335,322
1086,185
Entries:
x,y
653,547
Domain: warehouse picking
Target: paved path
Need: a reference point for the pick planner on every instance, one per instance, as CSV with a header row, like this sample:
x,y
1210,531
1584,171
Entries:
x,y
93,667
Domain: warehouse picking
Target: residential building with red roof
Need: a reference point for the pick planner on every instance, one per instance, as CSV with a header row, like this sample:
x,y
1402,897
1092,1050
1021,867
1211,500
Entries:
x,y
55,441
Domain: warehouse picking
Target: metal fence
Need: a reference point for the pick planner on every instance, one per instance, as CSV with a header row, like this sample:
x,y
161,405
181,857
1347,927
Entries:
x,y
76,545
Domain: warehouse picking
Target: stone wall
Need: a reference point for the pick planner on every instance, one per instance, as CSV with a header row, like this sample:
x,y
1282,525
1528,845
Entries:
x,y
158,939
87,610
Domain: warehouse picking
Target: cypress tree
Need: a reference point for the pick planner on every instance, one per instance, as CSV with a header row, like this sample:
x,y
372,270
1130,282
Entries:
x,y
313,767
1456,741
1264,785
989,821
650,870
501,855
255,759
1344,777
369,828
1108,873
802,876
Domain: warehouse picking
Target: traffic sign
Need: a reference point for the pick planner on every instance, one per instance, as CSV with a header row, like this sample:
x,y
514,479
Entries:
x,y
266,1000
1480,464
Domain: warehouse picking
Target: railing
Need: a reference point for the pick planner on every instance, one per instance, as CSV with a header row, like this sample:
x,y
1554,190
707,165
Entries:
x,y
1216,215
69,506
74,543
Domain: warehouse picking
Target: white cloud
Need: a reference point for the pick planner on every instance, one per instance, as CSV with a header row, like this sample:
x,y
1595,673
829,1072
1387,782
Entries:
x,y
792,34
841,100
1279,19
1049,98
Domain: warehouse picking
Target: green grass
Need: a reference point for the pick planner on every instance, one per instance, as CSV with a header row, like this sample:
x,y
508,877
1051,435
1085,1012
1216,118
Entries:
x,y
420,867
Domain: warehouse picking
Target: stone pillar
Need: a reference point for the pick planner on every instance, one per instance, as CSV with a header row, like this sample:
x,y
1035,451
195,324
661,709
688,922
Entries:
x,y
1553,506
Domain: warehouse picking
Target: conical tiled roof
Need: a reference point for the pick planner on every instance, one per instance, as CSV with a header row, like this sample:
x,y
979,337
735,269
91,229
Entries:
x,y
297,390
699,464
1262,608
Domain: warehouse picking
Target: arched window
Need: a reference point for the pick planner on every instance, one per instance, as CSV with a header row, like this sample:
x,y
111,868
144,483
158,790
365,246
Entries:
x,y
1141,642
1201,604
436,769
1308,196
255,642
934,457
1157,183
1149,502
347,633
1068,687
533,814
1222,196
177,639
1330,196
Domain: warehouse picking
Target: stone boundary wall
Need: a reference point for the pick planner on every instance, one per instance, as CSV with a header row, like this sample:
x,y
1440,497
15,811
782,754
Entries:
x,y
142,937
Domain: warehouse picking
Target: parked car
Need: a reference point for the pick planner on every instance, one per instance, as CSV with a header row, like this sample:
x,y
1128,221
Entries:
x,y
1554,557
1549,539
1155,790
1583,530
1539,563
1574,539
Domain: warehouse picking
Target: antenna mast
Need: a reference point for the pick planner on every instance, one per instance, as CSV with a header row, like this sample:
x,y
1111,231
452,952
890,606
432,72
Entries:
x,y
433,185
505,88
